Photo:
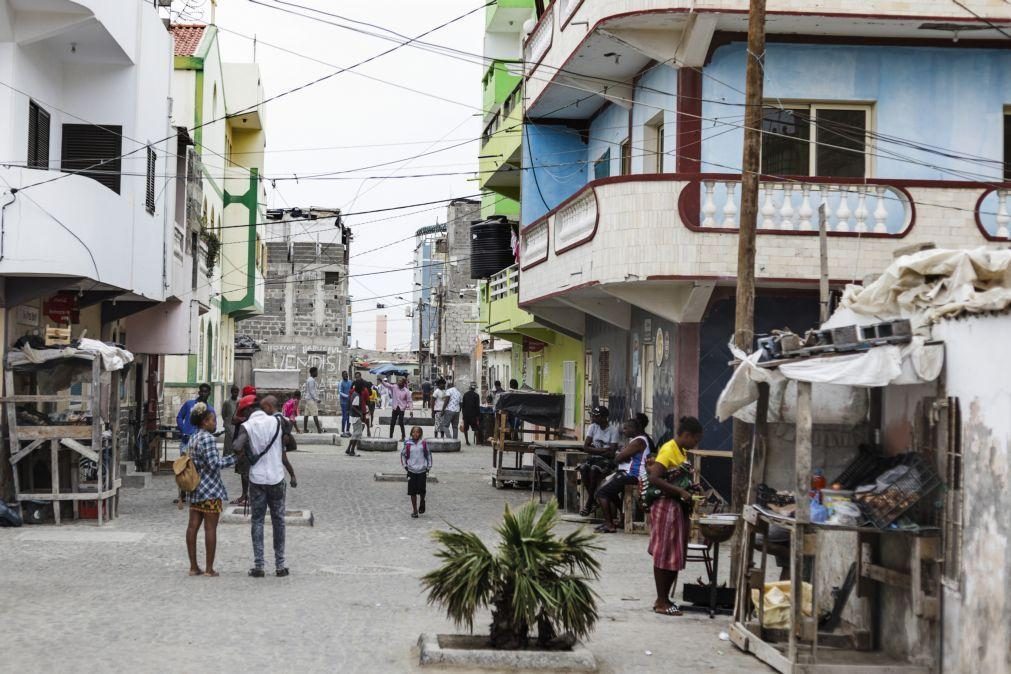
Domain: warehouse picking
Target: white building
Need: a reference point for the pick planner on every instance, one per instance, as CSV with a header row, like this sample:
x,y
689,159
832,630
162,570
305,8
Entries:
x,y
87,185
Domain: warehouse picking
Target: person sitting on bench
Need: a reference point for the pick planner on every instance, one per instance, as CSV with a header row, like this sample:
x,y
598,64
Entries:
x,y
601,443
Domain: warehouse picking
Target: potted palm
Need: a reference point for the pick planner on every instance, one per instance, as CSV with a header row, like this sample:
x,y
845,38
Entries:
x,y
533,580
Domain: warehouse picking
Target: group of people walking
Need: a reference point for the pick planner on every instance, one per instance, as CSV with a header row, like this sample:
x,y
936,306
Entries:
x,y
662,475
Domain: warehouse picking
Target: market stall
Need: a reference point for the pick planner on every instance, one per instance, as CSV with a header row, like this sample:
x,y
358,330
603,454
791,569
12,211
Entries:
x,y
63,416
522,414
873,534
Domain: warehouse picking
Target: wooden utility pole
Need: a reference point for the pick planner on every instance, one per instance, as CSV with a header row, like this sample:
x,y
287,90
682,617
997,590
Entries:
x,y
744,319
823,297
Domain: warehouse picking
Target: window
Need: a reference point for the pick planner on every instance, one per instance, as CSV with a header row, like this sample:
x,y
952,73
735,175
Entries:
x,y
816,140
626,157
93,151
602,167
604,376
331,278
149,185
38,136
1007,145
653,137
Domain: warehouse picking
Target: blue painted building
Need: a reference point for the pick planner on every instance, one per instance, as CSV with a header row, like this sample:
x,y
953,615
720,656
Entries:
x,y
631,186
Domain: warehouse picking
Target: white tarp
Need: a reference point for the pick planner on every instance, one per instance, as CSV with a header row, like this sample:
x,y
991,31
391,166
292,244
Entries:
x,y
929,286
113,357
846,375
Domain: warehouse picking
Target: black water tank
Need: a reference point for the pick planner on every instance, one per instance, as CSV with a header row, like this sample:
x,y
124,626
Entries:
x,y
490,247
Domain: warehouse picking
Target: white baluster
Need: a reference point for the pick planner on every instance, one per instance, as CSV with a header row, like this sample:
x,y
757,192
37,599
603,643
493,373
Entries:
x,y
1002,215
786,211
768,208
861,212
730,208
805,211
842,212
709,208
880,212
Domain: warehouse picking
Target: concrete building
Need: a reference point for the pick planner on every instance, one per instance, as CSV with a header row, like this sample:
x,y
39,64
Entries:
x,y
429,246
217,107
456,302
87,185
381,332
306,319
629,209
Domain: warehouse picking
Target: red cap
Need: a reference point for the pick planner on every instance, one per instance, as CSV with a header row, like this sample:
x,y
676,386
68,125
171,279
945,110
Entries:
x,y
246,401
248,391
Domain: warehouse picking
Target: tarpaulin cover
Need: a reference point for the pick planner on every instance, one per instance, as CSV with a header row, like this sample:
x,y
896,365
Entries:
x,y
540,409
389,368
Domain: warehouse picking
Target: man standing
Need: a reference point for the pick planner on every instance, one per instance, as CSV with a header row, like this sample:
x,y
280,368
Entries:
x,y
228,410
384,395
471,409
344,389
451,415
402,401
439,407
312,401
359,421
426,396
497,393
187,430
264,434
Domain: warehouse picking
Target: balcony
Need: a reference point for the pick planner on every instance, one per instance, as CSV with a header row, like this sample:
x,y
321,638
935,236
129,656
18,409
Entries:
x,y
500,80
577,42
76,227
501,153
658,240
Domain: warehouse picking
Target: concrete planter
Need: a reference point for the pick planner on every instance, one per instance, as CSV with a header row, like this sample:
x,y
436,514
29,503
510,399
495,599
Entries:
x,y
453,650
377,445
398,477
440,445
409,421
233,514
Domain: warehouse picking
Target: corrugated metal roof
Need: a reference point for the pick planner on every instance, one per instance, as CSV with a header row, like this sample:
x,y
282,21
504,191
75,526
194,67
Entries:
x,y
187,38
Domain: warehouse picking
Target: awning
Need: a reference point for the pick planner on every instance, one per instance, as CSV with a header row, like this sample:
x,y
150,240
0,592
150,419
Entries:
x,y
389,368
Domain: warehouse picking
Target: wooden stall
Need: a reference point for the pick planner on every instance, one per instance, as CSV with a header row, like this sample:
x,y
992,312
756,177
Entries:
x,y
63,420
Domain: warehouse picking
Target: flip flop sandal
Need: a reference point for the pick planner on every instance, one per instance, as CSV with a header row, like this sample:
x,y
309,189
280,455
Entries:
x,y
672,610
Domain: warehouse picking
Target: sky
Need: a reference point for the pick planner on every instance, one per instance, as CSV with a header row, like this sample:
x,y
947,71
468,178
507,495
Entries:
x,y
385,120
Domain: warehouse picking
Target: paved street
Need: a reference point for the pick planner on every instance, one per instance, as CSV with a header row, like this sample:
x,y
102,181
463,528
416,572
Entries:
x,y
119,598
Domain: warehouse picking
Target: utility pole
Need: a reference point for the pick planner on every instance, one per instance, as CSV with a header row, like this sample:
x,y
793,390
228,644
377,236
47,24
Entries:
x,y
744,319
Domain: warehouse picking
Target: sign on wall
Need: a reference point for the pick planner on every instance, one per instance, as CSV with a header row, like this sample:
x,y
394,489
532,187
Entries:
x,y
62,308
660,347
26,315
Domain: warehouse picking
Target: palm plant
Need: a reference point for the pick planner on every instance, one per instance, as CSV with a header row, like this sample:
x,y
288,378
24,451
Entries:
x,y
533,578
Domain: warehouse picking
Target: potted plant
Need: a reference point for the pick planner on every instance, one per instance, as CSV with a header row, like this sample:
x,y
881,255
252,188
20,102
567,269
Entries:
x,y
533,579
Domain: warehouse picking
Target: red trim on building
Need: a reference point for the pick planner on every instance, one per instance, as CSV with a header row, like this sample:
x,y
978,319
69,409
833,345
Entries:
x,y
589,237
979,221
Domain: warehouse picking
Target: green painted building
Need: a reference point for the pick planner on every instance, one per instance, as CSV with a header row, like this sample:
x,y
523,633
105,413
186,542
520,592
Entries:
x,y
519,347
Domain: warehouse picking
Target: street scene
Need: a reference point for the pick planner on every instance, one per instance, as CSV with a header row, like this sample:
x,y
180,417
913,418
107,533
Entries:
x,y
505,335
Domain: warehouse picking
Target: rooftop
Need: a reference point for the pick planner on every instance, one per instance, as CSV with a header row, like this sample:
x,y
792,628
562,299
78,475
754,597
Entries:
x,y
187,38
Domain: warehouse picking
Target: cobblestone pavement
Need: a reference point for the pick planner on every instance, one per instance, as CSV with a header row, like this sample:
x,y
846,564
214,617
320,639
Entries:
x,y
119,598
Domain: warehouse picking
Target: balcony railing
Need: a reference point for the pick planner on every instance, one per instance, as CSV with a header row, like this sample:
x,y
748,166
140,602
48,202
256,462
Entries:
x,y
992,214
576,221
539,41
878,208
504,283
534,244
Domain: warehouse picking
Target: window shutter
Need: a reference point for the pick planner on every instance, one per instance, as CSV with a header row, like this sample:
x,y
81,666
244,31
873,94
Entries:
x,y
93,151
38,136
149,187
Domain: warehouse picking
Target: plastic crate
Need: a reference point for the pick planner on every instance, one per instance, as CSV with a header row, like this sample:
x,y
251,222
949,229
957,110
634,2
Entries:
x,y
898,489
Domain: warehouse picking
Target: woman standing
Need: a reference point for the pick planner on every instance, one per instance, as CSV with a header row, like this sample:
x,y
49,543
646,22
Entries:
x,y
668,536
207,499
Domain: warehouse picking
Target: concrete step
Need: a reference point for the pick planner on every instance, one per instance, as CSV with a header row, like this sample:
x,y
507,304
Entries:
x,y
398,477
416,420
317,438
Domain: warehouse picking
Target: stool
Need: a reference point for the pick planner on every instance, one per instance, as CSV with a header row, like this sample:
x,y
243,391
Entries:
x,y
699,552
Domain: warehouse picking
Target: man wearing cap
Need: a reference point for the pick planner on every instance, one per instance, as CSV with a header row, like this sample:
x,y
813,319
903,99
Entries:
x,y
247,405
601,443
471,413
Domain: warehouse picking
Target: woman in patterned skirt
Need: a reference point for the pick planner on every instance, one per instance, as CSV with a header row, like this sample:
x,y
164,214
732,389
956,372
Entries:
x,y
668,536
207,499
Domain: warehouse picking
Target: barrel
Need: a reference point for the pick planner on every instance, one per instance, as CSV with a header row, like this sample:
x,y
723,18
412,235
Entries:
x,y
490,247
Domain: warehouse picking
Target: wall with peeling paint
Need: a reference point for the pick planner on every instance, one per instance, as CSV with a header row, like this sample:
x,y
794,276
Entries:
x,y
977,607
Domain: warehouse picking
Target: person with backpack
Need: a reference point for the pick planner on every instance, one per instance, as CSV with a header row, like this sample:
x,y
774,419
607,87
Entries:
x,y
263,440
416,459
207,497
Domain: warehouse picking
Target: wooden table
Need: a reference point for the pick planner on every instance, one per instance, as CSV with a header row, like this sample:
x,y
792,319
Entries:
x,y
696,456
550,457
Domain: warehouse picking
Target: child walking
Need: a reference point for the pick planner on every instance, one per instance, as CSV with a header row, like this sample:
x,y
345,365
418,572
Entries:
x,y
416,458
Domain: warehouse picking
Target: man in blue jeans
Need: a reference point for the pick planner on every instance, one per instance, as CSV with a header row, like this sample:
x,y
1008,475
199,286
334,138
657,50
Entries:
x,y
264,432
345,394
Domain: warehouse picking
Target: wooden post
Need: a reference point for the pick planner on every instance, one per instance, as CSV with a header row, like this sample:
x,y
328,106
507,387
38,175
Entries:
x,y
744,319
823,246
802,477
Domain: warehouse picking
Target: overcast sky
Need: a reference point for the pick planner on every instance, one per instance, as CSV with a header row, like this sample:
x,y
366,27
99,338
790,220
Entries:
x,y
350,110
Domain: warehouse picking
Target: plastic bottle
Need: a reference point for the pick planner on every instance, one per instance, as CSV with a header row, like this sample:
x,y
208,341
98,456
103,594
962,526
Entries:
x,y
818,481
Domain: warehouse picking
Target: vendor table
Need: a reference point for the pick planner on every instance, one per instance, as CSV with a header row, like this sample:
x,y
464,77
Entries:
x,y
550,456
